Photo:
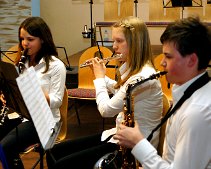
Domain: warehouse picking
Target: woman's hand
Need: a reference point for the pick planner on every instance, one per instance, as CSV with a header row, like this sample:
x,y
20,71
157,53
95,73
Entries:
x,y
98,67
2,99
128,136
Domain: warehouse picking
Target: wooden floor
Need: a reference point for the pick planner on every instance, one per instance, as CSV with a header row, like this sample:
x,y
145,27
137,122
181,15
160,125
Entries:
x,y
91,121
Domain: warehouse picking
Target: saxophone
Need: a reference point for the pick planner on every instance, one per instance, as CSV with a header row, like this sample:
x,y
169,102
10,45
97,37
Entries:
x,y
123,159
128,161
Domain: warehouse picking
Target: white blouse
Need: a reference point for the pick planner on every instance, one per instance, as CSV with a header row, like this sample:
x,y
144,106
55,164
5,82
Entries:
x,y
52,82
148,100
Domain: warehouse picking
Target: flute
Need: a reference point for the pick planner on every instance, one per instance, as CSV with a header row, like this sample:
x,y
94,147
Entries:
x,y
88,63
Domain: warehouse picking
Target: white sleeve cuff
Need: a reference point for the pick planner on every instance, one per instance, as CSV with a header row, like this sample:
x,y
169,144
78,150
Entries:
x,y
142,150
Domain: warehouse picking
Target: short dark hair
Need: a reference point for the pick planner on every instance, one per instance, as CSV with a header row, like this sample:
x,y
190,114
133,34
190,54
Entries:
x,y
190,35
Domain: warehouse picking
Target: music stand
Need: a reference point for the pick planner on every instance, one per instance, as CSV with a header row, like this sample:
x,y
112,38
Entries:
x,y
68,67
9,87
182,4
6,51
10,90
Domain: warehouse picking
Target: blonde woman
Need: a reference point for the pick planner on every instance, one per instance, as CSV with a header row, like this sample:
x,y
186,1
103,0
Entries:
x,y
131,39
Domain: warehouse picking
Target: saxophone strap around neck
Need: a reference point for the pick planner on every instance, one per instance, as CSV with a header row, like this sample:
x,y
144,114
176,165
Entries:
x,y
201,81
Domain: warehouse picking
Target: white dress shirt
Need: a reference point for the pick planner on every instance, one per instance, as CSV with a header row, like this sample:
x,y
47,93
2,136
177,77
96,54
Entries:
x,y
52,82
188,134
148,100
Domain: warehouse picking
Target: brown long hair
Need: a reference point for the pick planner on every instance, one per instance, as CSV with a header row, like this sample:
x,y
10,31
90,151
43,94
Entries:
x,y
137,38
37,27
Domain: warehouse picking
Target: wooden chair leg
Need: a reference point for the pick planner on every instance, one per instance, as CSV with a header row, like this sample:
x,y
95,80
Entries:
x,y
76,110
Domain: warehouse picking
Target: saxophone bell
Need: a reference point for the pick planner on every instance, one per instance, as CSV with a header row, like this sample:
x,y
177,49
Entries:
x,y
109,161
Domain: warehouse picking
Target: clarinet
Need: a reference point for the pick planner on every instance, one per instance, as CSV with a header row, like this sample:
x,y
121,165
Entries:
x,y
122,158
3,114
24,57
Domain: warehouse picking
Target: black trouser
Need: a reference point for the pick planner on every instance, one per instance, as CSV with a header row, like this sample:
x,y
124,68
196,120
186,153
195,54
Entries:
x,y
17,141
81,153
8,125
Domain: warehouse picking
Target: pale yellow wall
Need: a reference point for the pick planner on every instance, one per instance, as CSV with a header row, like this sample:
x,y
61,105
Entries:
x,y
67,19
66,22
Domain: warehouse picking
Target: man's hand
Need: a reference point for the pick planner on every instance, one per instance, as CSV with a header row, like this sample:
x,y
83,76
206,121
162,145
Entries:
x,y
128,136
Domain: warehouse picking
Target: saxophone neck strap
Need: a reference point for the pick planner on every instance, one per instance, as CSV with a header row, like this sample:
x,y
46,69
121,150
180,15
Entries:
x,y
201,81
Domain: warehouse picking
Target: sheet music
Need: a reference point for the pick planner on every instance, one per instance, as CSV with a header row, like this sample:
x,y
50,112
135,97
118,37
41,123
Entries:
x,y
37,105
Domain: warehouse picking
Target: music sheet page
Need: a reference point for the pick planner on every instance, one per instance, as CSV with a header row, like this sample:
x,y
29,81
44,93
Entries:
x,y
37,105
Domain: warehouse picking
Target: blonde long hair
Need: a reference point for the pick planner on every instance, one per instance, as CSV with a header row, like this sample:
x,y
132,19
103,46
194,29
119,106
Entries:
x,y
137,38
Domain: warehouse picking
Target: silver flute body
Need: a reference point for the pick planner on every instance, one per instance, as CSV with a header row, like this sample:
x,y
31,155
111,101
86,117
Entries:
x,y
88,63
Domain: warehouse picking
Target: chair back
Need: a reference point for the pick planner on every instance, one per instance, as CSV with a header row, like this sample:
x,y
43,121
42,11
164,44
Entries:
x,y
166,106
85,74
11,55
63,112
164,83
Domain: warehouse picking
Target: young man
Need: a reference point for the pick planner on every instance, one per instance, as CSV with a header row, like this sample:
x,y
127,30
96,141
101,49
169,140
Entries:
x,y
187,50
